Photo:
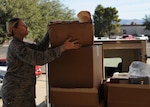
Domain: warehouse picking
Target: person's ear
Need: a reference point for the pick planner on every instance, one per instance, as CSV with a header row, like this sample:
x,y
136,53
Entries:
x,y
14,29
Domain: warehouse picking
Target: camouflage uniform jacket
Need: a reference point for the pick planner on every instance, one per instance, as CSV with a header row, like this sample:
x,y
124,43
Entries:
x,y
20,79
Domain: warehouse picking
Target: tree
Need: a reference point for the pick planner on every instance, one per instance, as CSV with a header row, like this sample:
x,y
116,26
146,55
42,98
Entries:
x,y
106,21
3,19
98,21
22,9
51,10
147,22
133,23
36,13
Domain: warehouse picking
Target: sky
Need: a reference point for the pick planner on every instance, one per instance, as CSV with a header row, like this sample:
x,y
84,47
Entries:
x,y
127,9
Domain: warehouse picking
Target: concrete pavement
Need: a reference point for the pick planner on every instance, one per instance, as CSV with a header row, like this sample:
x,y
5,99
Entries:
x,y
41,89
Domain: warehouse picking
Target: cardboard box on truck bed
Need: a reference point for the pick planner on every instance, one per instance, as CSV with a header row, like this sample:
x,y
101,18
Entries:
x,y
59,32
74,77
75,97
81,68
128,95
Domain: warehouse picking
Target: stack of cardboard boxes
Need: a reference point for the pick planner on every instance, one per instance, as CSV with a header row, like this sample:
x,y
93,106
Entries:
x,y
75,76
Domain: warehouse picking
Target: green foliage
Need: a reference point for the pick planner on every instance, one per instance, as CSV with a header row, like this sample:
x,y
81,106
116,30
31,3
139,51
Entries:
x,y
147,22
36,13
3,18
106,21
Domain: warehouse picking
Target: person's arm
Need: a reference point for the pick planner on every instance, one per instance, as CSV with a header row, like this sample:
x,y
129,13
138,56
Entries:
x,y
34,57
44,43
28,54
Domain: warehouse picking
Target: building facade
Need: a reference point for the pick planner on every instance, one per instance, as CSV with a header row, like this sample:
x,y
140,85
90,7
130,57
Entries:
x,y
134,29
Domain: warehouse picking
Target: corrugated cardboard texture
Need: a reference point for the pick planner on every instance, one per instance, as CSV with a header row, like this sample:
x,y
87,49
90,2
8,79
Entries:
x,y
61,31
128,95
77,68
75,97
76,106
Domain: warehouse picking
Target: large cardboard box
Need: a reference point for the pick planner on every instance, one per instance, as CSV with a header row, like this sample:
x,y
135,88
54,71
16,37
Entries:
x,y
59,32
81,68
75,97
128,95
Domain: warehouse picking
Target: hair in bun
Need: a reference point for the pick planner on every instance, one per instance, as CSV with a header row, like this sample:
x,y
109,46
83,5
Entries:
x,y
10,24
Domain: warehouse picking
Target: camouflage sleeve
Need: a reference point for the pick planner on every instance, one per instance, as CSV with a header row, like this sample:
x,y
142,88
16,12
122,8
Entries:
x,y
44,43
33,56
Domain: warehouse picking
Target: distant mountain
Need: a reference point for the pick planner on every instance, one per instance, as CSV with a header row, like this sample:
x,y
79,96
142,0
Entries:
x,y
129,21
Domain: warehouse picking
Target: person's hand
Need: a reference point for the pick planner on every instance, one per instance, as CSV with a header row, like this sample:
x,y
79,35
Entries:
x,y
69,44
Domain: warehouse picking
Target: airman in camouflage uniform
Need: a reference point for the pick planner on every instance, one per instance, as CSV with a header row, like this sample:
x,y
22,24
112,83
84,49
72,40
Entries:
x,y
18,88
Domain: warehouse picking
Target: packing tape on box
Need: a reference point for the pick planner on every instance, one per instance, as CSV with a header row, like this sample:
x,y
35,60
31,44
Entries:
x,y
97,50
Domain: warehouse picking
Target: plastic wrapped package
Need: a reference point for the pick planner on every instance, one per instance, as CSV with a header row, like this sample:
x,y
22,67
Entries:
x,y
139,73
138,68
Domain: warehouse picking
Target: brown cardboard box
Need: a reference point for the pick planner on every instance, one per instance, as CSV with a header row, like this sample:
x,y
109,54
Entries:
x,y
76,106
81,68
75,97
59,32
128,95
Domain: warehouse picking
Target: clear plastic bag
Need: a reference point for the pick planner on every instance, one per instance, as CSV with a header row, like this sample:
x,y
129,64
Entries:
x,y
139,69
